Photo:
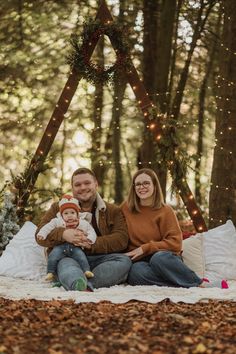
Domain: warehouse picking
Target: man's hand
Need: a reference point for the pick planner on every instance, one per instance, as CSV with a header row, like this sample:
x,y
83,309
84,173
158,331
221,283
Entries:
x,y
77,238
137,252
40,238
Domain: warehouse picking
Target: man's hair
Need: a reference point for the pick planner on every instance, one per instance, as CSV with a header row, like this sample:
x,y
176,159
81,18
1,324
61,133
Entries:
x,y
133,200
82,171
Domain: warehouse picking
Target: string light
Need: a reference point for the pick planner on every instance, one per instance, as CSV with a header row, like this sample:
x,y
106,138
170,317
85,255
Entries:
x,y
152,127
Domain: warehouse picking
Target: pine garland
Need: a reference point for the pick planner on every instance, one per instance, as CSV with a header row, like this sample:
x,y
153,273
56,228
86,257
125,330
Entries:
x,y
8,221
169,146
79,60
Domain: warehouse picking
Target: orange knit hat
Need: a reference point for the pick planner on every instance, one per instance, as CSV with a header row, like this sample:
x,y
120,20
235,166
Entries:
x,y
67,201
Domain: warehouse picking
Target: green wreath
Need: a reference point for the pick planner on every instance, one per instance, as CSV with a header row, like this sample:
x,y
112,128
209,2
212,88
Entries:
x,y
79,60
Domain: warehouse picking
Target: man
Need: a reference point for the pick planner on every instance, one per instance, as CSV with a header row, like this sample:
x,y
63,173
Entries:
x,y
109,268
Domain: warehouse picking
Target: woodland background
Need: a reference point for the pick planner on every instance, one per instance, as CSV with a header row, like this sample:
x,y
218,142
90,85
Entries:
x,y
185,53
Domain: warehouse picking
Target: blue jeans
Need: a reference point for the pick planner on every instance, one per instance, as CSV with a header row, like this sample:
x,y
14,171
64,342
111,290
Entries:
x,y
109,269
163,269
66,250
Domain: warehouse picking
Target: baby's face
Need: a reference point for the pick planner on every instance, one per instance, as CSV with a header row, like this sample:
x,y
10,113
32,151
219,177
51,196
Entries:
x,y
70,214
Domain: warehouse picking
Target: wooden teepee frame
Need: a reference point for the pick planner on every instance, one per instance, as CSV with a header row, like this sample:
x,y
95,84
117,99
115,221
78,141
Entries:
x,y
104,16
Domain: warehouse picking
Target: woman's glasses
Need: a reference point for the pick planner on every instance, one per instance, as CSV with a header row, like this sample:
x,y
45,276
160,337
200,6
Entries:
x,y
144,184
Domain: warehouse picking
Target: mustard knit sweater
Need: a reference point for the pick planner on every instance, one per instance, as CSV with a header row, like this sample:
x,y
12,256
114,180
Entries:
x,y
153,229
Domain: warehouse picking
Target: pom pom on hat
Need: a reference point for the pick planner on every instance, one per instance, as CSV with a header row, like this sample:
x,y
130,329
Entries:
x,y
67,201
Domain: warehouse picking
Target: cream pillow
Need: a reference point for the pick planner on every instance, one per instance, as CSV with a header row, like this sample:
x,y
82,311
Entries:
x,y
193,254
220,252
23,257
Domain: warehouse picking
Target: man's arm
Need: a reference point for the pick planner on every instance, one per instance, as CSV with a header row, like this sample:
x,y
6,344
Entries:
x,y
114,231
88,230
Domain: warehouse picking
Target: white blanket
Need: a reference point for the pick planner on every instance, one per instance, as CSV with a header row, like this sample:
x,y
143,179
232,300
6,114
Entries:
x,y
23,268
16,289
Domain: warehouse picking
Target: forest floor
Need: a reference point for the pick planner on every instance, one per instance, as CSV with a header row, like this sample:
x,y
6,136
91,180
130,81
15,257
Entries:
x,y
62,327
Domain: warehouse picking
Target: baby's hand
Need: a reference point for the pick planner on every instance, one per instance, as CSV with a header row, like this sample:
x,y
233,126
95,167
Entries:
x,y
39,237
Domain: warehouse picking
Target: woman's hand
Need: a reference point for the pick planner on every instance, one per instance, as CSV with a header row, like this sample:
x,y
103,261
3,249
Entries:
x,y
137,252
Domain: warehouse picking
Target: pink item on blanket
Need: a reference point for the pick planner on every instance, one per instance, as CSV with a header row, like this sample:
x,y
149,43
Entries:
x,y
215,284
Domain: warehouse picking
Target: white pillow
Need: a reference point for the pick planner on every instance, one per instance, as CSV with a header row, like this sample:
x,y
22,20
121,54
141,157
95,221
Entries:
x,y
220,252
23,257
193,254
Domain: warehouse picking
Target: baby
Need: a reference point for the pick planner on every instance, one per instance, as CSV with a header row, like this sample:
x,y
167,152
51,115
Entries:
x,y
68,217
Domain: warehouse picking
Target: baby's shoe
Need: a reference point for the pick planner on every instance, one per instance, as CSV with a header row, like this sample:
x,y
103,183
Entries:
x,y
50,277
81,284
89,274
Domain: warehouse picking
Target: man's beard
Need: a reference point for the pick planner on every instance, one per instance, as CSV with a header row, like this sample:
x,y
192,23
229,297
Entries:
x,y
87,201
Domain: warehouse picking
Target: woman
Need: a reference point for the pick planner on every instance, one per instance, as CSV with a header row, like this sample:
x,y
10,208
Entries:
x,y
155,238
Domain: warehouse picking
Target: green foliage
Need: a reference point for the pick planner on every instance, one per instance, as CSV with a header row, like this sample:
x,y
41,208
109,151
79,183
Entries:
x,y
168,147
8,220
90,71
33,48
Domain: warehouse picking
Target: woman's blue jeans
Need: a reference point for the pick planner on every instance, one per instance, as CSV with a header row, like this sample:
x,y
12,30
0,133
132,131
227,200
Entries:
x,y
109,269
164,268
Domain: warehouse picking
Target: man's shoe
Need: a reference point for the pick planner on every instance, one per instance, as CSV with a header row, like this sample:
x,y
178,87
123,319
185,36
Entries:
x,y
81,284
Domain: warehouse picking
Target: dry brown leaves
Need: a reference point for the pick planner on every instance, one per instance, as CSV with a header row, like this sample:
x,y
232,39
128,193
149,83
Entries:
x,y
63,327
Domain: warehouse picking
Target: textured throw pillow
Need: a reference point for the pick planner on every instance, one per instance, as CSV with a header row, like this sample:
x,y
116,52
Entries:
x,y
193,254
23,257
220,252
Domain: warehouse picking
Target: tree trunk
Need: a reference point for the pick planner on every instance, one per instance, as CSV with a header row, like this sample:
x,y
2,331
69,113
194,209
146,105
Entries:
x,y
119,90
222,203
173,56
96,135
200,23
158,31
62,153
202,99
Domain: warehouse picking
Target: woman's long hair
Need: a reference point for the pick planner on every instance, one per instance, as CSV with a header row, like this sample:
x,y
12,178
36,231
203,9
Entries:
x,y
134,201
